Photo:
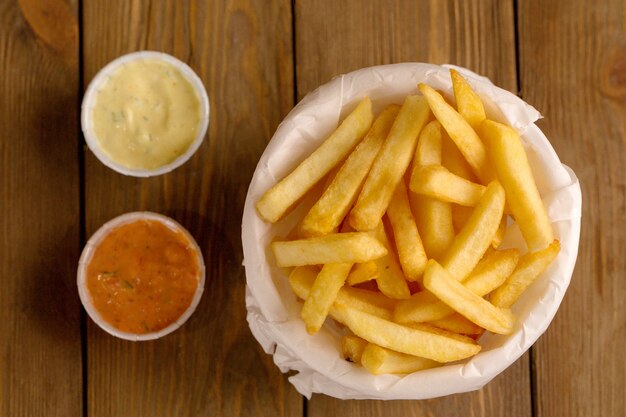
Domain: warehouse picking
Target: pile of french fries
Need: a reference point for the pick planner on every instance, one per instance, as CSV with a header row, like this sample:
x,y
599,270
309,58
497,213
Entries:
x,y
402,245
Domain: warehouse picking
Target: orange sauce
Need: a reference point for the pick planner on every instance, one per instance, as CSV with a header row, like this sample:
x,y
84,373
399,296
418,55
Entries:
x,y
143,276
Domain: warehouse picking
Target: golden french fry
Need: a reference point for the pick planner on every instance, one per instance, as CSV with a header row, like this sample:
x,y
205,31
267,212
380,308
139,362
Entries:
x,y
453,159
390,280
456,323
332,207
529,268
513,170
301,280
408,242
437,182
480,311
322,295
421,340
490,273
476,236
468,102
363,272
432,217
390,164
428,149
379,360
352,348
460,132
353,247
282,196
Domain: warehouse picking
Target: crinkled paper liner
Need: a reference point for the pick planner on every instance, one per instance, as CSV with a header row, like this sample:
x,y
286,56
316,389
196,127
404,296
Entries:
x,y
273,310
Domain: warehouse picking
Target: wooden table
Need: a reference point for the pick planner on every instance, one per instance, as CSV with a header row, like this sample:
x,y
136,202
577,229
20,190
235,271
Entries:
x,y
257,58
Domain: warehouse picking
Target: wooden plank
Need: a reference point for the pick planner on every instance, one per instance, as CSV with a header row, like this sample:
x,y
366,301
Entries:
x,y
211,366
40,342
337,37
572,68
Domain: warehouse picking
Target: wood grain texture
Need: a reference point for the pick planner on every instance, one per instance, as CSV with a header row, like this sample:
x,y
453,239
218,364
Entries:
x,y
335,37
338,37
40,344
573,68
211,366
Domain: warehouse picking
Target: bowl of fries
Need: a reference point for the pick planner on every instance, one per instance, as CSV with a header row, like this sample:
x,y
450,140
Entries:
x,y
409,233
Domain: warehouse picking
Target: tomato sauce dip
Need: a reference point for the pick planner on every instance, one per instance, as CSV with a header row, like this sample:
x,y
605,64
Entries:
x,y
143,276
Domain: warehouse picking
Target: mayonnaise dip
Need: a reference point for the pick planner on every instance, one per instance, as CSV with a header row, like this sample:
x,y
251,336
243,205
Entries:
x,y
146,114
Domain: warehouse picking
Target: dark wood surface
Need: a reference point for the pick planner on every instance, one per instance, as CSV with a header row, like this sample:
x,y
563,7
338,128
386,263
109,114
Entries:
x,y
256,59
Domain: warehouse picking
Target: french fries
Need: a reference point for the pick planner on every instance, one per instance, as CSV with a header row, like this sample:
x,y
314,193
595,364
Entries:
x,y
467,101
322,295
438,281
476,236
530,267
401,244
334,204
390,164
421,340
513,170
352,348
433,217
408,242
333,248
489,274
390,280
378,360
363,272
460,132
282,196
302,278
437,182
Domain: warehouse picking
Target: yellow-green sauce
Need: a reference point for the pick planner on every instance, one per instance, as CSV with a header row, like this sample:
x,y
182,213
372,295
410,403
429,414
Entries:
x,y
146,115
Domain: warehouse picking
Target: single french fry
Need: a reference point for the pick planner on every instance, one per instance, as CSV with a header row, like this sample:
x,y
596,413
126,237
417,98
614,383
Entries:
x,y
429,146
352,348
456,323
390,164
379,360
418,340
490,273
283,195
328,212
322,295
301,280
353,247
480,311
408,242
511,164
529,268
460,132
362,272
468,103
437,182
390,280
476,236
432,217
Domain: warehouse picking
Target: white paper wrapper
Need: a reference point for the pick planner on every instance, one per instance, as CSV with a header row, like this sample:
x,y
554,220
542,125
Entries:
x,y
273,311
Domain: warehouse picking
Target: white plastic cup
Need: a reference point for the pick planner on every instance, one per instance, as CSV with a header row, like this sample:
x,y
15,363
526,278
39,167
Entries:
x,y
101,78
87,254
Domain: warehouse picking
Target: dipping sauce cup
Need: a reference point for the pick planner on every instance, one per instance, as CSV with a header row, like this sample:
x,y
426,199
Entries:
x,y
141,276
145,114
